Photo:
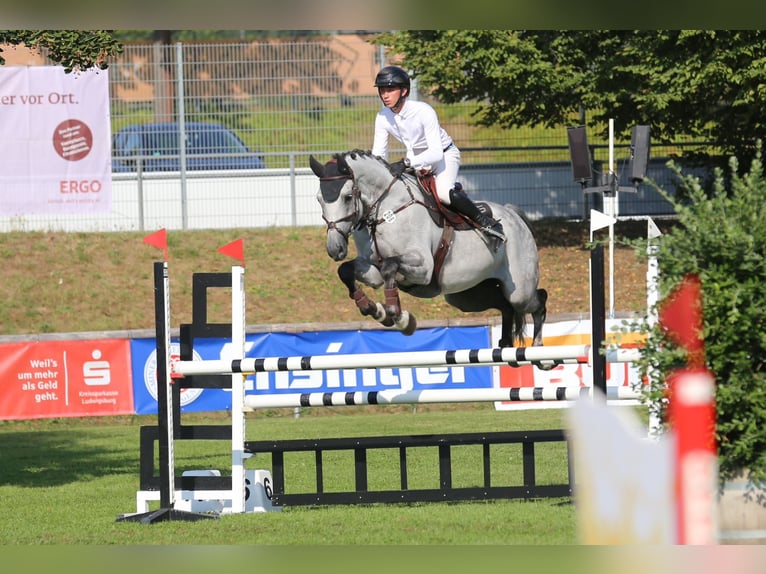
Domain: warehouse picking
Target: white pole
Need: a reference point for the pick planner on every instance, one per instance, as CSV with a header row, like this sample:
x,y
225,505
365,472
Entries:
x,y
238,391
611,212
168,382
579,354
399,397
652,298
180,99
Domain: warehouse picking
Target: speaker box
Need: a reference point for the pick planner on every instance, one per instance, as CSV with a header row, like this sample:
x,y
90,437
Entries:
x,y
579,153
639,153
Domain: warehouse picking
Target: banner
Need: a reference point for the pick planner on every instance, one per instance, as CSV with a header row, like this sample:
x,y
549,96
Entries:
x,y
144,363
65,379
568,333
55,141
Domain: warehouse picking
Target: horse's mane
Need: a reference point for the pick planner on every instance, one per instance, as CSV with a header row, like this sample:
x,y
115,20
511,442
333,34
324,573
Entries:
x,y
366,154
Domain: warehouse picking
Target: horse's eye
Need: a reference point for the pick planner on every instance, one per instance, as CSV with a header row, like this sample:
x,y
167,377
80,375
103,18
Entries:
x,y
348,197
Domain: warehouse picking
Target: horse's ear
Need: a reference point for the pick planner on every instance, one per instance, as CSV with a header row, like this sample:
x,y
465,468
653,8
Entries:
x,y
316,167
343,165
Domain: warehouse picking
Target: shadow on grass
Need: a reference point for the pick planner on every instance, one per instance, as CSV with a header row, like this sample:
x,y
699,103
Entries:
x,y
53,458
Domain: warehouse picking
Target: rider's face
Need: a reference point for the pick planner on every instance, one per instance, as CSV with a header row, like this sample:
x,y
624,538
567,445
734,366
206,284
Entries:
x,y
390,95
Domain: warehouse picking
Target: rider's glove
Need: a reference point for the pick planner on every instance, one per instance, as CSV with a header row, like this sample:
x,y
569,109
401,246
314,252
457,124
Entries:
x,y
399,167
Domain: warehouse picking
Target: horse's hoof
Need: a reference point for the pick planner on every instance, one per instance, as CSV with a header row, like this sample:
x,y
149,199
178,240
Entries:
x,y
504,343
380,313
407,323
544,366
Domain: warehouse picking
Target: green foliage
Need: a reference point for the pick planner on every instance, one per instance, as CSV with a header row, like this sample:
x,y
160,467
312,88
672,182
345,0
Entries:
x,y
721,237
74,49
692,83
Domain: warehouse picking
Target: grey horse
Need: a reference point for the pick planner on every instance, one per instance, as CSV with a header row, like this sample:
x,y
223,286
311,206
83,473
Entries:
x,y
405,240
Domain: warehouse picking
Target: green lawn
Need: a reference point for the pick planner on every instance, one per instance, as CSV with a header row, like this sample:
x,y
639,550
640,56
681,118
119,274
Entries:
x,y
69,479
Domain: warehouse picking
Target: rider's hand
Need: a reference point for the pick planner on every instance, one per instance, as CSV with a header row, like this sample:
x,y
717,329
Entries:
x,y
398,167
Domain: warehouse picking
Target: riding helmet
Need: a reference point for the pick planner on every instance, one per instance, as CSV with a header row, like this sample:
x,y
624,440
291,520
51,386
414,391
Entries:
x,y
392,76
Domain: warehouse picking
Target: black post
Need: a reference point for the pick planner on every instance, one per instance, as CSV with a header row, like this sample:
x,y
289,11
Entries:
x,y
598,321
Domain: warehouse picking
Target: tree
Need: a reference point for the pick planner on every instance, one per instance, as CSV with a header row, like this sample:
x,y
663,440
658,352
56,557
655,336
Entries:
x,y
707,84
721,237
73,49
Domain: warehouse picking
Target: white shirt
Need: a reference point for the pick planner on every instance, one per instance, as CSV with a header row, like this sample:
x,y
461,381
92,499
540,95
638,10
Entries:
x,y
417,127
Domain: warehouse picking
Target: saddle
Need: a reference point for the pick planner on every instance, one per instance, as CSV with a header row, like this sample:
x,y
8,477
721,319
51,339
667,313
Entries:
x,y
445,218
442,215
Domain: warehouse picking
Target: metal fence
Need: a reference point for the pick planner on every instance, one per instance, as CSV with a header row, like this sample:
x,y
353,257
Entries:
x,y
287,100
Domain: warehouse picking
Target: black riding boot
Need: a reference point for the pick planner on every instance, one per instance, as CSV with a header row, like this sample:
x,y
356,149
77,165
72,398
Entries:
x,y
459,201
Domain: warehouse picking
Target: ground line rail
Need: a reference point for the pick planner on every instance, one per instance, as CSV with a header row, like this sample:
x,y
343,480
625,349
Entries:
x,y
513,356
398,397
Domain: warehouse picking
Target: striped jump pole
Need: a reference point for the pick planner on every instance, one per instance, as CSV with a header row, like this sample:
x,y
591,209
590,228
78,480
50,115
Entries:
x,y
513,356
399,397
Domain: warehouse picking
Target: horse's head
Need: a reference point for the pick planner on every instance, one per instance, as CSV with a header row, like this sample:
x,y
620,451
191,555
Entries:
x,y
350,184
338,196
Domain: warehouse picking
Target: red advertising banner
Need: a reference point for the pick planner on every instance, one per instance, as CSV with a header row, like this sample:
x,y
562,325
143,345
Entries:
x,y
65,379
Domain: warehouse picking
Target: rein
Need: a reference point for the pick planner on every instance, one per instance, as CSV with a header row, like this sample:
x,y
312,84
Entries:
x,y
372,223
366,217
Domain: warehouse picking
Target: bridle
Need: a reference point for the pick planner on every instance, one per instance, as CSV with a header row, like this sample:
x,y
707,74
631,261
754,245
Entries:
x,y
356,194
366,218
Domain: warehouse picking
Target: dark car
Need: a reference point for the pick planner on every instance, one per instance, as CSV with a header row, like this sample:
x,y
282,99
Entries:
x,y
209,146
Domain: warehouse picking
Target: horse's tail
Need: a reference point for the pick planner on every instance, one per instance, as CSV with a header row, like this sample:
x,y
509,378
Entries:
x,y
522,215
518,329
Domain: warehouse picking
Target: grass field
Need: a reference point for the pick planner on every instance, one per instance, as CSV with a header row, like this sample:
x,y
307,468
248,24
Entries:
x,y
67,481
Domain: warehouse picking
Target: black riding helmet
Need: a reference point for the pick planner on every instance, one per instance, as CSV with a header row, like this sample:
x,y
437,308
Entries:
x,y
392,76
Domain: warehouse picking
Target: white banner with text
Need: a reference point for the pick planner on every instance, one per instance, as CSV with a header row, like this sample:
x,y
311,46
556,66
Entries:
x,y
55,141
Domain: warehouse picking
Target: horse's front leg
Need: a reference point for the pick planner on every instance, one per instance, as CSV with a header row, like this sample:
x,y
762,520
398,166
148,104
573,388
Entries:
x,y
403,320
348,273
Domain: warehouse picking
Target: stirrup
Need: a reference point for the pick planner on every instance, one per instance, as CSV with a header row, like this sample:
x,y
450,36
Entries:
x,y
495,238
491,231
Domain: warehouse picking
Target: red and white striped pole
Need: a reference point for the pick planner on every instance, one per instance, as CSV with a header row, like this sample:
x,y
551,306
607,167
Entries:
x,y
691,415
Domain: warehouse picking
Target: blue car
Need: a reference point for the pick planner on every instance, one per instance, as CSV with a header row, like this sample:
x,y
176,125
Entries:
x,y
155,146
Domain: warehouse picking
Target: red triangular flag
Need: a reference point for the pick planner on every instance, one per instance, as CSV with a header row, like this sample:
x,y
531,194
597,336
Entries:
x,y
680,315
158,239
235,249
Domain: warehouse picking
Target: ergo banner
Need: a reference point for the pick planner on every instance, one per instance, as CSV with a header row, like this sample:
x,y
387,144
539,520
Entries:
x,y
55,141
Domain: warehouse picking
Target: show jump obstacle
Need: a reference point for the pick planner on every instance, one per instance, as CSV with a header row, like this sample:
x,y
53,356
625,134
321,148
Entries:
x,y
205,494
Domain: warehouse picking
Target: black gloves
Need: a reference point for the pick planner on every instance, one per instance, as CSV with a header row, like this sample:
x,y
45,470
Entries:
x,y
399,167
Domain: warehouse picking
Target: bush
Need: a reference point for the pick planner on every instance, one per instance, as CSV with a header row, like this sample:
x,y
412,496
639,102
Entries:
x,y
721,237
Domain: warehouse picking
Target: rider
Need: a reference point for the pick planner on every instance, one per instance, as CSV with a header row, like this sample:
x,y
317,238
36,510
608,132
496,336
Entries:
x,y
429,147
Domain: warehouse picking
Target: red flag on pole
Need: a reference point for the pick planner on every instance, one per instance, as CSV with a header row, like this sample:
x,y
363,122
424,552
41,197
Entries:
x,y
159,239
235,250
681,317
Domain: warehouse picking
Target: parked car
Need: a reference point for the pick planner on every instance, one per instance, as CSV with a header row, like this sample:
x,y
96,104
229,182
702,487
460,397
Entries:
x,y
209,146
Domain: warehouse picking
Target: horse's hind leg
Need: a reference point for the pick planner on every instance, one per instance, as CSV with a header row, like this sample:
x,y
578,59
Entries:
x,y
366,307
489,295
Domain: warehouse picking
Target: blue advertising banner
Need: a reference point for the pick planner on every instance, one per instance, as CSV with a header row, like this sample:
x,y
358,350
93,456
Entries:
x,y
143,352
